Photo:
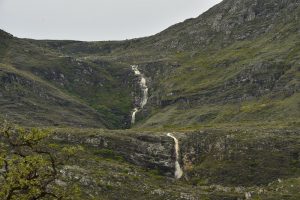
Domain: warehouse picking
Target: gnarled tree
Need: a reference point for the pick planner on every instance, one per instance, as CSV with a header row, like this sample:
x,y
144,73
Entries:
x,y
29,166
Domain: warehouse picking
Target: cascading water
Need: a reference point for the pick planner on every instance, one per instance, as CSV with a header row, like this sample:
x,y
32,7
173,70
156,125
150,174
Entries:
x,y
135,110
178,171
144,88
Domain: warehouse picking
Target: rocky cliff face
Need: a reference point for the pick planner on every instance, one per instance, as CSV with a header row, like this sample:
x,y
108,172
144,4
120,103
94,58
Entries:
x,y
217,164
228,21
142,149
242,157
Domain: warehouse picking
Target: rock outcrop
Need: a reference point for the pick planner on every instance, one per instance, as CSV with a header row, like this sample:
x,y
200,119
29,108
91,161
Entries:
x,y
240,157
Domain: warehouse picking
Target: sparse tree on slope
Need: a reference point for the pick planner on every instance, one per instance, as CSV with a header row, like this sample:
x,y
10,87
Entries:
x,y
29,167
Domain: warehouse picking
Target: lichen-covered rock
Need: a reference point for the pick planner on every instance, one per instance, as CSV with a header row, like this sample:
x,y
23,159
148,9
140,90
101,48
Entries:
x,y
142,149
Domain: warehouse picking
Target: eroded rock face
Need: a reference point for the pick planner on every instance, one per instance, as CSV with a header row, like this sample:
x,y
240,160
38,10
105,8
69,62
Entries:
x,y
142,149
227,157
245,157
230,20
34,103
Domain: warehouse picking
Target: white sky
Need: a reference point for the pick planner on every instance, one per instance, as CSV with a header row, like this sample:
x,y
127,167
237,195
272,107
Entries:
x,y
94,20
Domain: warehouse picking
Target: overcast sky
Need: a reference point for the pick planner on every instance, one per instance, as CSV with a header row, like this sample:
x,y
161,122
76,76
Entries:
x,y
92,20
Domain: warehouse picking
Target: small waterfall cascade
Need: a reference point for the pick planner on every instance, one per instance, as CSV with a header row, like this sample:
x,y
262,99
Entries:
x,y
144,89
178,171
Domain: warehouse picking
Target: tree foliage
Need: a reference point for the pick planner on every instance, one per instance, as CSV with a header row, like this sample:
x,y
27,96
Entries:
x,y
29,166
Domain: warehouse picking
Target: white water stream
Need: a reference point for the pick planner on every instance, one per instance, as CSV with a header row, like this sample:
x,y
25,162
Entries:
x,y
178,171
144,88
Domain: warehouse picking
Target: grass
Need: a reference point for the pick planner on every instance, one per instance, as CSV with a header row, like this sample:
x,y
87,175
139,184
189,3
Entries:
x,y
96,85
232,103
247,164
21,102
210,80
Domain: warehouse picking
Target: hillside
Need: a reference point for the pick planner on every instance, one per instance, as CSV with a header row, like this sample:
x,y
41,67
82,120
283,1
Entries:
x,y
67,91
236,63
217,96
217,164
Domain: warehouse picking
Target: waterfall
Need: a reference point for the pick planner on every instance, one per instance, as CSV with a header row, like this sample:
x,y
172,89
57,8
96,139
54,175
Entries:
x,y
144,88
178,171
135,110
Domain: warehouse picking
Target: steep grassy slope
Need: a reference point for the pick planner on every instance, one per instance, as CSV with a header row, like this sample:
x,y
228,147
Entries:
x,y
237,63
102,86
28,100
249,81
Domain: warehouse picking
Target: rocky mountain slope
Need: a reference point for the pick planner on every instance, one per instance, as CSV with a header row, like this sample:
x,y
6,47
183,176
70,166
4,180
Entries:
x,y
236,63
40,86
225,84
248,163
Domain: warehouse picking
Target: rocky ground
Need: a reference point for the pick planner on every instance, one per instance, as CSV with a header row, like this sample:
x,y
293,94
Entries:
x,y
217,164
226,84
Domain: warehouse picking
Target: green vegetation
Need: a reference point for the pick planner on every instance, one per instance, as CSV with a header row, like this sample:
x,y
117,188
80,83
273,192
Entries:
x,y
76,91
30,167
197,81
225,83
98,164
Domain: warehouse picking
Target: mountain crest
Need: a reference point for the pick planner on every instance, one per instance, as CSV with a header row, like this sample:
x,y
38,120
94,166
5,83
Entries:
x,y
4,34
